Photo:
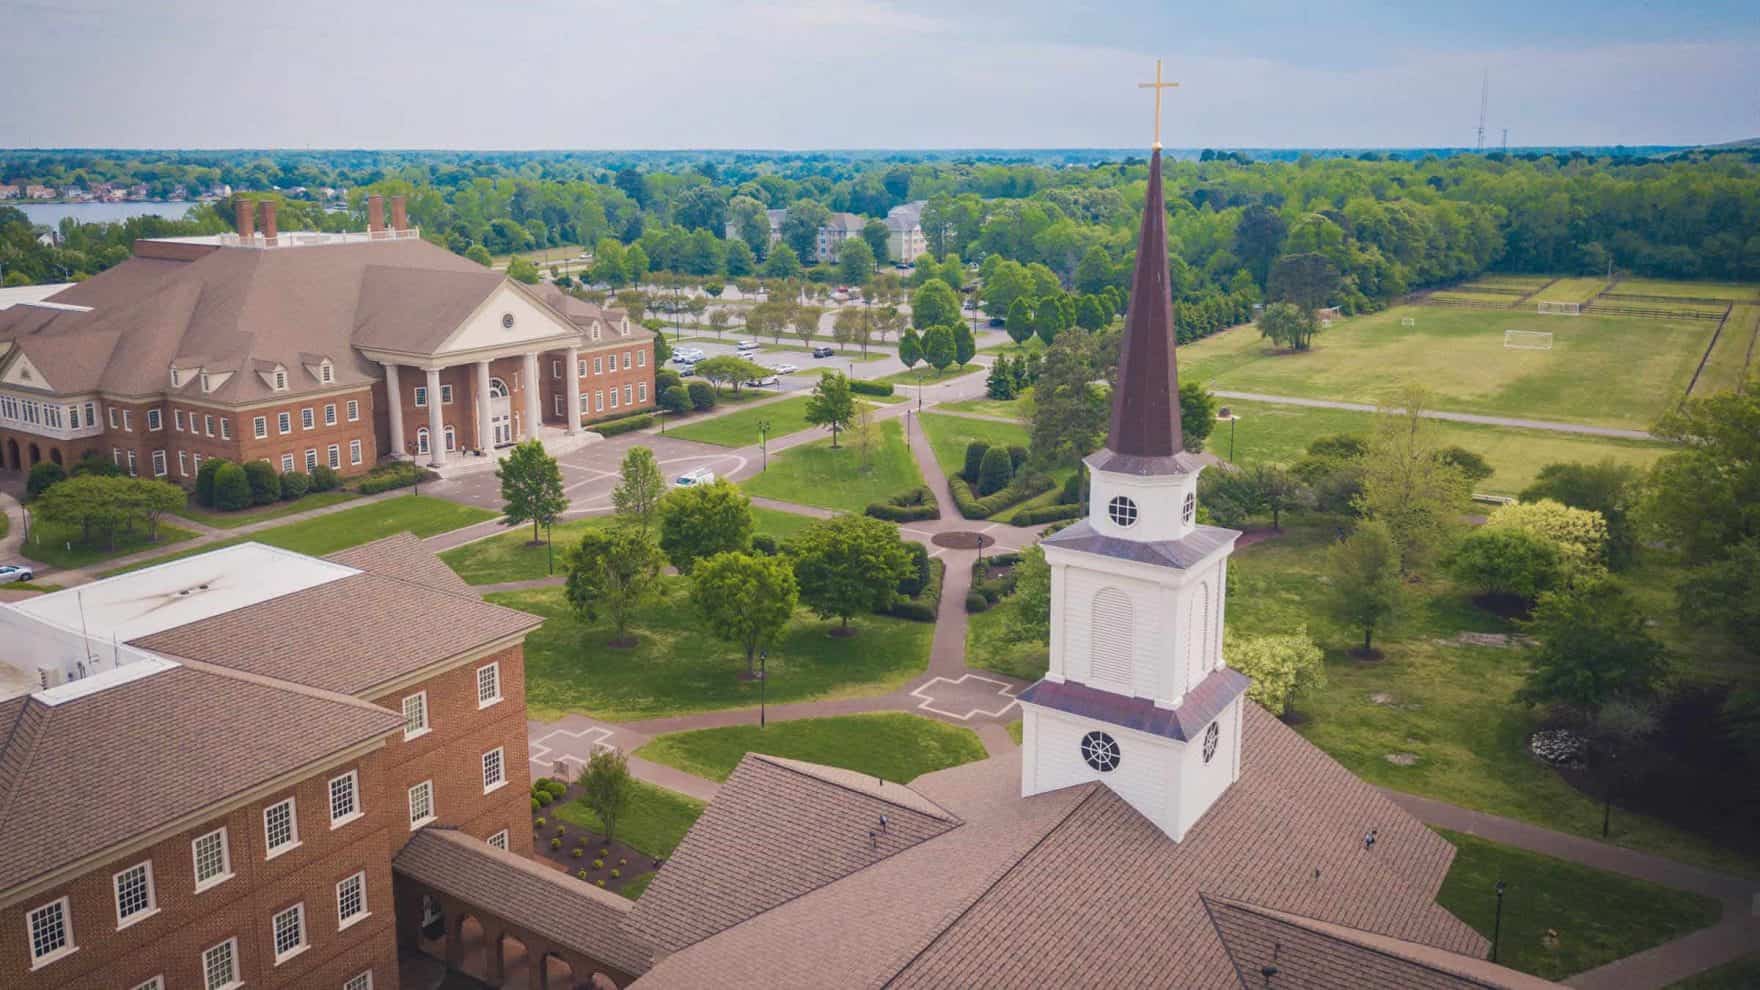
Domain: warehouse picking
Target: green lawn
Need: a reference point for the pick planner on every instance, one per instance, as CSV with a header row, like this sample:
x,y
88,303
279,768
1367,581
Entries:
x,y
1526,283
950,435
678,667
418,514
892,745
990,647
740,429
1010,347
1015,731
835,478
1446,703
1599,917
1732,291
1727,367
1575,290
1606,370
1281,434
637,887
60,546
1743,974
511,557
244,517
1011,408
655,821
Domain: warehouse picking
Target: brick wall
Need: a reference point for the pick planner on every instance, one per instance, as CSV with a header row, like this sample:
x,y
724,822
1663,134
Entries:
x,y
604,372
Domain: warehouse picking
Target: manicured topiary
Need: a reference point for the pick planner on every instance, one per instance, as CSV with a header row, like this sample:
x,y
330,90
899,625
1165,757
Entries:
x,y
205,480
265,483
615,873
976,602
294,485
578,852
702,395
232,489
995,471
975,452
537,823
561,829
536,804
324,479
598,864
599,882
1017,455
581,874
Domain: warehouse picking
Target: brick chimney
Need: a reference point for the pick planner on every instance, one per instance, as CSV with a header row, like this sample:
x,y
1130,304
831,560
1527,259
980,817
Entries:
x,y
399,213
375,214
246,217
270,231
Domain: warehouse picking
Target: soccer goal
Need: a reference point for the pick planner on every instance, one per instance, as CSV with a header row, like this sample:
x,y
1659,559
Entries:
x,y
1408,321
1528,340
1560,309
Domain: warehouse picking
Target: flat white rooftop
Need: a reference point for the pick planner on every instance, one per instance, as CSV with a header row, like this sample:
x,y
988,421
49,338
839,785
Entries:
x,y
29,293
173,594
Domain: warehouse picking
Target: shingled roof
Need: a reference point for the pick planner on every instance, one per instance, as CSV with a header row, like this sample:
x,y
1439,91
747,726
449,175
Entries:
x,y
1053,889
404,557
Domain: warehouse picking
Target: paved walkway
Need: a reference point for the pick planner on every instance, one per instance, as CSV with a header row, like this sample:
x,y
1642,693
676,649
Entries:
x,y
1457,417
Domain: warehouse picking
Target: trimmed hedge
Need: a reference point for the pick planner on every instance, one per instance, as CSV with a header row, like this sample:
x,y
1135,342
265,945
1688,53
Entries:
x,y
862,386
976,602
975,452
1022,488
923,607
628,424
1045,514
994,591
907,506
399,474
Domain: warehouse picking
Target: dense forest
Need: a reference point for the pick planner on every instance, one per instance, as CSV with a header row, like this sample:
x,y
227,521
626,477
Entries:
x,y
1389,223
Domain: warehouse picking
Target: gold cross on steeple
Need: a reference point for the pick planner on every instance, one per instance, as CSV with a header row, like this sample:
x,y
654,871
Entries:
x,y
1157,86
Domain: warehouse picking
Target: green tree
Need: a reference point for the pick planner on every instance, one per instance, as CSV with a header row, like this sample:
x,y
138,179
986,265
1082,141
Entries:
x,y
479,254
910,347
265,483
1472,466
522,270
232,488
1579,536
1307,279
1592,649
100,505
1091,313
724,369
849,564
607,787
855,261
745,599
1725,594
965,346
934,304
1020,321
640,487
1609,488
1366,590
1407,486
702,521
1288,325
1197,414
751,223
44,475
1704,498
531,487
832,405
994,471
1094,271
1506,562
1069,413
938,347
1030,605
1281,665
874,233
205,480
782,262
613,572
800,228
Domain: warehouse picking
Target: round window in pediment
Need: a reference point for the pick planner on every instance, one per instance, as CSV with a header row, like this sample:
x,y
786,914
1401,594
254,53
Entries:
x,y
1100,751
507,321
1122,511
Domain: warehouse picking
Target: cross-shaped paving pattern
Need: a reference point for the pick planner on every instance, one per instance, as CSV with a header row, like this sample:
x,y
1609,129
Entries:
x,y
968,697
560,746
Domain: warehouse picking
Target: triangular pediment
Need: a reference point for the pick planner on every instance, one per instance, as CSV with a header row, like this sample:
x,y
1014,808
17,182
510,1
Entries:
x,y
507,317
23,373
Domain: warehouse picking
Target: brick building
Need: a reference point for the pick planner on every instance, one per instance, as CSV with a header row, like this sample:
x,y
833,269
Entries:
x,y
304,349
228,754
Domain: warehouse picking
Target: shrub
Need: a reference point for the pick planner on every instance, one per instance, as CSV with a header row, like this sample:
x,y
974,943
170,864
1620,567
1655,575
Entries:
x,y
599,882
561,829
578,852
665,378
907,506
975,452
918,578
976,602
556,843
536,804
702,396
765,544
615,873
598,864
1045,514
628,424
1017,455
400,474
232,490
205,480
923,606
43,475
862,386
1072,490
994,590
95,463
537,823
675,399
324,479
581,874
995,472
1026,486
294,485
265,483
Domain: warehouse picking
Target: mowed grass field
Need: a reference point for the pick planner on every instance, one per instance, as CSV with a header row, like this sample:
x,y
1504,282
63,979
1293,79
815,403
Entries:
x,y
835,477
1575,290
1732,291
1608,371
1729,365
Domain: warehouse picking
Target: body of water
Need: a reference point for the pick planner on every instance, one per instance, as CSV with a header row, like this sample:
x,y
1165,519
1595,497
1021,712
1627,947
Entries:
x,y
51,214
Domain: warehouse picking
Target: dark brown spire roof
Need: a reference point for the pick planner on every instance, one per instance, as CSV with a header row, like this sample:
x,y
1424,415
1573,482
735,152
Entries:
x,y
1145,404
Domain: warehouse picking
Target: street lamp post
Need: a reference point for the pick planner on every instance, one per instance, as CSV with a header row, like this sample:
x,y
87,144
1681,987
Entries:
x,y
1233,418
919,391
549,549
764,442
763,678
1497,925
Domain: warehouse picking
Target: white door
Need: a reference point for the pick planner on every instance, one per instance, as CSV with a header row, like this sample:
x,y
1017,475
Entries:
x,y
500,412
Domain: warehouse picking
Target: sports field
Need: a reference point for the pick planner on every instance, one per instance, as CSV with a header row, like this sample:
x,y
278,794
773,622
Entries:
x,y
1732,291
1577,290
1522,283
1607,371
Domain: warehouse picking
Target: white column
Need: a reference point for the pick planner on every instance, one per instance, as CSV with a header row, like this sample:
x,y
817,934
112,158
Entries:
x,y
534,411
573,380
394,408
436,425
485,434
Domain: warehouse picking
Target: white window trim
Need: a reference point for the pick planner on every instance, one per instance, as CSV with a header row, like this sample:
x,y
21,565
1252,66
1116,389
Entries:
x,y
425,728
353,410
329,414
500,754
156,983
260,426
305,941
354,452
498,841
362,980
38,962
497,697
293,828
225,873
354,779
414,822
343,924
231,947
308,418
152,907
421,397
284,422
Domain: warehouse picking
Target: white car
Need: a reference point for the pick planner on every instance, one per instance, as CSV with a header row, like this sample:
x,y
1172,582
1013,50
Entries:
x,y
761,382
746,345
691,479
12,572
784,369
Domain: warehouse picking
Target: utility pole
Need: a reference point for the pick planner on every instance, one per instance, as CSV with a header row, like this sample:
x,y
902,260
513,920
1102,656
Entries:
x,y
1484,100
1506,140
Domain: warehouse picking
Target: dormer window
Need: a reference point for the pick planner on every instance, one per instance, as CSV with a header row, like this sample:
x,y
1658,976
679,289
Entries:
x,y
326,372
280,380
1122,511
206,385
176,378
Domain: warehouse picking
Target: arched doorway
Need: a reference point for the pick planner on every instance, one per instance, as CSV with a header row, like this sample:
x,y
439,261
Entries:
x,y
55,454
36,455
12,453
500,413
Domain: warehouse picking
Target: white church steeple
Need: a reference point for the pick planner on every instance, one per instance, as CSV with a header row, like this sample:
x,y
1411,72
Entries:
x,y
1137,695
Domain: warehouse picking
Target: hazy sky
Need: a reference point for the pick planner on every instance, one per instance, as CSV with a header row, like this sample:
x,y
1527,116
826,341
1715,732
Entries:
x,y
870,73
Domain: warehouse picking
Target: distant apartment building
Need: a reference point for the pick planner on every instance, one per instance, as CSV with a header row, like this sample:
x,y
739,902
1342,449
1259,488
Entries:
x,y
839,228
904,232
39,192
9,191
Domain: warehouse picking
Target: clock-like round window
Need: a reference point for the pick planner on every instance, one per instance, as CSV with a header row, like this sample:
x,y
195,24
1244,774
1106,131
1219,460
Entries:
x,y
1190,509
1122,511
1210,736
1100,751
507,321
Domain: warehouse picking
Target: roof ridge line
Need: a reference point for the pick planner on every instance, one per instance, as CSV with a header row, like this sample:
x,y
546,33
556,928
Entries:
x,y
1241,978
941,932
264,680
772,758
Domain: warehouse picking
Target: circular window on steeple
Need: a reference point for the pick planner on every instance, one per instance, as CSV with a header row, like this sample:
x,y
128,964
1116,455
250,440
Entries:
x,y
1100,751
1122,511
1190,509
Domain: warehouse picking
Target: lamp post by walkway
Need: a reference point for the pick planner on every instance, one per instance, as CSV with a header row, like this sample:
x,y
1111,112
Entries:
x,y
764,677
1497,925
919,391
764,442
1232,417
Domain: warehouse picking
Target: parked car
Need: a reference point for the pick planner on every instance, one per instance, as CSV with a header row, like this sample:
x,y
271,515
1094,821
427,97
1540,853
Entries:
x,y
12,572
690,479
764,381
746,345
784,369
824,352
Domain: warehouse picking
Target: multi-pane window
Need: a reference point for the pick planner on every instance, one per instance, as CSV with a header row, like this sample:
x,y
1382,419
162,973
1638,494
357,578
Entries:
x,y
128,420
614,398
225,428
183,463
289,927
326,373
642,391
334,455
354,410
134,893
329,414
155,419
213,860
446,395
581,368
599,365
415,714
286,463
345,798
360,981
555,370
421,804
280,380
354,452
499,840
351,900
112,415
280,829
488,684
307,419
51,932
208,425
260,426
177,418
159,470
628,394
284,422
311,459
220,965
421,396
641,359
598,401
626,360
494,774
